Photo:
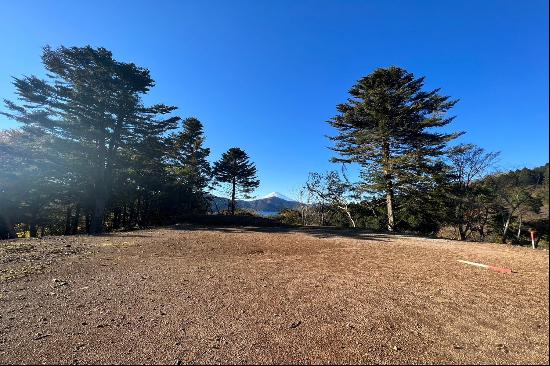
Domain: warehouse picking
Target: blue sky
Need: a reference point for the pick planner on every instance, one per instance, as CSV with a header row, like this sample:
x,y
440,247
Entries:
x,y
266,75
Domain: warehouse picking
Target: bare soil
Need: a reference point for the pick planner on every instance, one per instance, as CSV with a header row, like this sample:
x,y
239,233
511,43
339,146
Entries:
x,y
269,295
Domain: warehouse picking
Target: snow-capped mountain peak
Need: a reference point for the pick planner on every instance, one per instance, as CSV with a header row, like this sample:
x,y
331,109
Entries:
x,y
278,195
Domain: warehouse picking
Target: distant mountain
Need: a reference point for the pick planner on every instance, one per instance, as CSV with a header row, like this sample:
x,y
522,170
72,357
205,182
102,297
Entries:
x,y
271,203
277,195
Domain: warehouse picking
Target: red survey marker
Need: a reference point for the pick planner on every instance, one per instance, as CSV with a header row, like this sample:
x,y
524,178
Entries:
x,y
493,268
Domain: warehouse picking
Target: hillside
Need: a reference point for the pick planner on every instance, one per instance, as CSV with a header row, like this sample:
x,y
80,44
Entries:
x,y
273,202
535,181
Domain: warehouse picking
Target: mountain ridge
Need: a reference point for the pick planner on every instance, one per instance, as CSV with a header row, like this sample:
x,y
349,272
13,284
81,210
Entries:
x,y
271,195
272,202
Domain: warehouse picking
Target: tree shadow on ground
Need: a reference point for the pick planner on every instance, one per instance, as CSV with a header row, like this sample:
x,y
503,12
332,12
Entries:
x,y
124,233
314,231
255,224
243,224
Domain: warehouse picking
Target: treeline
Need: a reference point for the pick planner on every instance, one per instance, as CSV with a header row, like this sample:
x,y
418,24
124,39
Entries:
x,y
413,178
91,156
499,207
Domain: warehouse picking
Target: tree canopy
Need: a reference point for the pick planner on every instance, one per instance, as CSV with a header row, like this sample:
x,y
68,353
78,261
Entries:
x,y
91,156
389,126
236,169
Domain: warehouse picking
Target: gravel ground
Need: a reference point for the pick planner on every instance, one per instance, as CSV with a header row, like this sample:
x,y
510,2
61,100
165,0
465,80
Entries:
x,y
271,295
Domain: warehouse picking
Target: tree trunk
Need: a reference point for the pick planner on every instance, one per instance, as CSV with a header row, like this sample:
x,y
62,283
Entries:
x,y
481,231
33,224
482,224
117,218
389,186
76,220
123,216
96,226
138,211
346,210
351,219
233,186
461,233
505,231
518,236
68,220
131,215
390,205
145,212
88,221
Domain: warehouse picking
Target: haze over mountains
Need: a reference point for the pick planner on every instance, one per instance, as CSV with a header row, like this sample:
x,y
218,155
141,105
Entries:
x,y
268,204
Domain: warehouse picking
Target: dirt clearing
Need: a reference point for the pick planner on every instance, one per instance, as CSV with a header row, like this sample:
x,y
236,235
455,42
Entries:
x,y
271,295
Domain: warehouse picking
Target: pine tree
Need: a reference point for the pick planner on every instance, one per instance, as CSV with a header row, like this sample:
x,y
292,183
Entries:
x,y
235,168
188,157
387,126
90,109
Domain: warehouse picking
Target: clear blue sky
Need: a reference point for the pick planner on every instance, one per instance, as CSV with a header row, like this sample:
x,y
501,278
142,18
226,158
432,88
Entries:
x,y
266,75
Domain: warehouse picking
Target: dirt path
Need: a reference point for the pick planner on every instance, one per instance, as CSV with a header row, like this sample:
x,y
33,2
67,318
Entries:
x,y
269,296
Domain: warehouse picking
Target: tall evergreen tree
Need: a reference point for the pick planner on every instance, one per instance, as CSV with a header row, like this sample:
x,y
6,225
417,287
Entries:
x,y
387,126
91,111
235,168
188,156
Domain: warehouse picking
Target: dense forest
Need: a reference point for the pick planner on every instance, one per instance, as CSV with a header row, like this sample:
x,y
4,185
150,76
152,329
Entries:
x,y
90,157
